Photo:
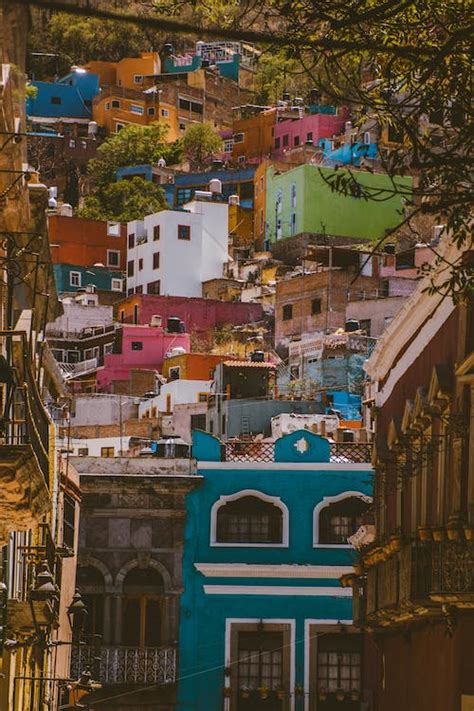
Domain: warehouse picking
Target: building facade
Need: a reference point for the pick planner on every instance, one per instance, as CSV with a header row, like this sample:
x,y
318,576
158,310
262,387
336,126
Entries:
x,y
172,252
88,243
264,622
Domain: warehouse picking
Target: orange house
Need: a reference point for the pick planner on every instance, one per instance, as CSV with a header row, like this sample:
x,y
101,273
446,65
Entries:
x,y
76,240
192,366
253,136
129,72
115,108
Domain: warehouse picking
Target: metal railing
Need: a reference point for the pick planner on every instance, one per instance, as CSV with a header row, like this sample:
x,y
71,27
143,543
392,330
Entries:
x,y
340,452
73,370
26,420
126,665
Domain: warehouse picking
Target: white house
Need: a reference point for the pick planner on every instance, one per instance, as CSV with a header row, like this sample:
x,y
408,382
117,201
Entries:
x,y
176,392
172,252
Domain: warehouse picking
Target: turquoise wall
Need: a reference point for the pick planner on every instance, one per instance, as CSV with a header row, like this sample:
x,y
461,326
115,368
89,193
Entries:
x,y
100,277
203,616
322,210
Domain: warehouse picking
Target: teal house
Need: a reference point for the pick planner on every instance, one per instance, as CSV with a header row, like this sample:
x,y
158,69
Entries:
x,y
74,277
302,200
264,620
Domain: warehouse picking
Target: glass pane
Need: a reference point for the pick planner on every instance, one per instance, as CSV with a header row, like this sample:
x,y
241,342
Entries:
x,y
153,623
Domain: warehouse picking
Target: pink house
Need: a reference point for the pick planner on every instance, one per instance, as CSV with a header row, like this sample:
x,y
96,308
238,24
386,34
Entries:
x,y
291,134
406,264
142,347
200,316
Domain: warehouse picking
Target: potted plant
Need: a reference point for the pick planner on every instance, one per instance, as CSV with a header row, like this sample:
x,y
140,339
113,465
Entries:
x,y
322,694
340,695
227,691
439,534
355,695
280,694
264,692
424,533
299,690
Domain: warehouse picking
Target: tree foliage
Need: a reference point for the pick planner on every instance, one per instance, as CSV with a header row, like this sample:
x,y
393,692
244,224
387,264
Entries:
x,y
133,145
200,143
124,201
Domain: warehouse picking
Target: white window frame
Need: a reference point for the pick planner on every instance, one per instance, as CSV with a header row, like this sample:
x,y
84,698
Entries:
x,y
367,138
151,111
138,78
240,139
117,253
119,126
323,504
74,274
137,109
275,500
165,113
228,145
116,285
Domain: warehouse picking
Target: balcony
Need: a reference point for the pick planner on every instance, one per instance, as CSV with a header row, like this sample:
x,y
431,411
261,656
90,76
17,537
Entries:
x,y
340,452
25,430
419,580
74,370
126,665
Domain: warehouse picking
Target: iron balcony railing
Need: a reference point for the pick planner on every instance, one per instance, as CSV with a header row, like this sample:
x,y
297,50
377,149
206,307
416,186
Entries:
x,y
340,452
421,574
25,418
126,665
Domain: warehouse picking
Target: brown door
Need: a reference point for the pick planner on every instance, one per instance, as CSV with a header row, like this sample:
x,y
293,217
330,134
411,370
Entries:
x,y
260,671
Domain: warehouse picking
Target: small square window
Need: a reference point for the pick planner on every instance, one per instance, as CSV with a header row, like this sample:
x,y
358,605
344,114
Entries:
x,y
115,104
151,111
277,142
118,127
297,140
107,105
156,233
56,100
137,345
140,264
309,137
72,143
286,139
165,113
83,452
113,229
316,306
184,232
241,159
154,288
113,258
239,137
131,241
136,109
75,278
131,268
138,79
287,312
116,285
107,452
156,260
139,289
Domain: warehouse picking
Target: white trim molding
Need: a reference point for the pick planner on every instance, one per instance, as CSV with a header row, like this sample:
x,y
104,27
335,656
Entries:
x,y
278,590
249,570
285,466
327,501
308,623
275,500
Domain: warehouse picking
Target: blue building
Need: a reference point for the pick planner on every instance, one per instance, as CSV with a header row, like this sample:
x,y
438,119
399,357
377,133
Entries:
x,y
348,153
234,182
264,621
74,277
68,98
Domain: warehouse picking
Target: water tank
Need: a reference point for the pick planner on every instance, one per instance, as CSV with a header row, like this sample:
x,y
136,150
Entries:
x,y
92,128
53,192
234,200
286,96
172,324
161,163
168,49
176,351
156,320
257,357
65,210
348,125
203,195
215,186
352,325
52,203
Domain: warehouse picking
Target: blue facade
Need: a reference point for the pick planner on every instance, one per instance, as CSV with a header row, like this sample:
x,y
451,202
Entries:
x,y
348,154
70,97
234,182
228,68
291,587
72,277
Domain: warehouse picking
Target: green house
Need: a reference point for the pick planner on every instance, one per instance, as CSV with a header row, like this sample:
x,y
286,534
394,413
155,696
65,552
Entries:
x,y
303,200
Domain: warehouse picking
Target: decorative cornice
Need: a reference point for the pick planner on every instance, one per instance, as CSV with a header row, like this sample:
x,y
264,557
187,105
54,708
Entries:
x,y
249,570
277,590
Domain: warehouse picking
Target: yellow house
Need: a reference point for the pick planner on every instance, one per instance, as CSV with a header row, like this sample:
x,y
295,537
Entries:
x,y
114,109
240,225
129,72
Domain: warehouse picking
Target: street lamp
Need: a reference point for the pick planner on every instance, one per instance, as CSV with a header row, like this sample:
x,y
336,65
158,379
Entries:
x,y
77,613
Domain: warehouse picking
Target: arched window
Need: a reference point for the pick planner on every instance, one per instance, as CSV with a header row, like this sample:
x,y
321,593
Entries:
x,y
90,583
337,520
142,619
279,202
249,519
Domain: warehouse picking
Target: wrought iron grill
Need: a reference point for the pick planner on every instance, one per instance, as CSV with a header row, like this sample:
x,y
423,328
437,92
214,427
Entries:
x,y
341,452
452,570
127,665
